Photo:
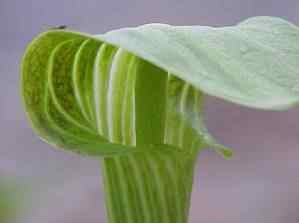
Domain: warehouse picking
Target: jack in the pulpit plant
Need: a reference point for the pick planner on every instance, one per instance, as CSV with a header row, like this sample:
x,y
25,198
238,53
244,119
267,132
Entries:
x,y
133,98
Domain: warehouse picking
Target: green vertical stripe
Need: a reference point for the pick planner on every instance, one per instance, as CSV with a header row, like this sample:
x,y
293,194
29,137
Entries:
x,y
150,97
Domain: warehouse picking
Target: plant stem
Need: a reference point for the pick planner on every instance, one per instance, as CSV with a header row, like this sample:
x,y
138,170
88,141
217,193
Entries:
x,y
150,187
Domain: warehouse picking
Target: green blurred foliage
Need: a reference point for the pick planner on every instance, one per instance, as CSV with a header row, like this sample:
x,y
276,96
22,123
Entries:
x,y
7,203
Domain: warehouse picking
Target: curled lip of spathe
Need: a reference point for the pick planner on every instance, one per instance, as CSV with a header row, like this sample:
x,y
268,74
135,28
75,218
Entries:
x,y
134,97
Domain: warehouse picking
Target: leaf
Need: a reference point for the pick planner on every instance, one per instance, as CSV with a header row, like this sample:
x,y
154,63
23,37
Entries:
x,y
254,63
138,88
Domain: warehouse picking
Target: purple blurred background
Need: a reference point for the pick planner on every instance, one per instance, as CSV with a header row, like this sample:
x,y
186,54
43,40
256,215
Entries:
x,y
260,184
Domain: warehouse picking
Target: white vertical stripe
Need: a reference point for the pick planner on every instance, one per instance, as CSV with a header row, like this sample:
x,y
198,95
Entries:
x,y
133,118
96,90
125,196
167,130
158,181
125,104
110,109
107,188
137,173
171,171
75,80
182,108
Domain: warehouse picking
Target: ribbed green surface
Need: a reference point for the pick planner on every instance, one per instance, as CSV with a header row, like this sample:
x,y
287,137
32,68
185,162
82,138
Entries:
x,y
149,187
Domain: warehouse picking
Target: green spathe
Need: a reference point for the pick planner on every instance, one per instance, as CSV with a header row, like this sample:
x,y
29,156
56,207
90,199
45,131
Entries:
x,y
134,96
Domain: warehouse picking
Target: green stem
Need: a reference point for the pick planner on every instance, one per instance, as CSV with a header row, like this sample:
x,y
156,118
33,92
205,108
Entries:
x,y
148,187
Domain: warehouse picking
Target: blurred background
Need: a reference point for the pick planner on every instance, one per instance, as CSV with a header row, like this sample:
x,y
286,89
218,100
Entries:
x,y
260,184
